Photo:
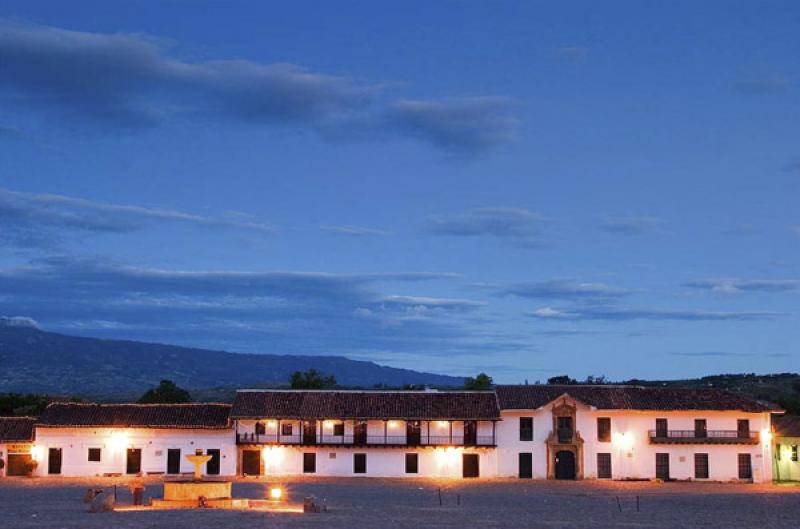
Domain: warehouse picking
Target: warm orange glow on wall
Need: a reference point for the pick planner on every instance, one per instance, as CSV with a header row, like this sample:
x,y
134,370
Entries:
x,y
118,441
623,440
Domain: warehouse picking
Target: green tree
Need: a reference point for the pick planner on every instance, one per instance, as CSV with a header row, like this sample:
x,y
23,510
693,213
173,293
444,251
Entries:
x,y
167,392
481,382
311,379
561,379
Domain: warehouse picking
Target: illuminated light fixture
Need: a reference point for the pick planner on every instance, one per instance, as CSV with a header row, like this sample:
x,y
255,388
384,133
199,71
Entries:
x,y
442,423
118,441
328,424
272,423
393,424
275,493
766,437
623,441
37,452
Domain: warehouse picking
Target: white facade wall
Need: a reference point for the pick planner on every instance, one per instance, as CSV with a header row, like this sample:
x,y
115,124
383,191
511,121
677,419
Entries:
x,y
113,442
632,454
381,462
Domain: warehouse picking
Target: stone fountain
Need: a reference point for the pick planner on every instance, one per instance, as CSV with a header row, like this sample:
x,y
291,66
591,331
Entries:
x,y
198,491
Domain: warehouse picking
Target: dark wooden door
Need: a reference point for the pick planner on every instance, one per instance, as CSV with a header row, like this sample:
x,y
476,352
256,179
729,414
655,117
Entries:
x,y
413,433
174,461
565,465
604,465
133,461
743,428
54,461
17,464
700,430
470,433
470,466
359,463
525,465
662,466
251,462
360,433
212,467
309,463
310,432
745,467
412,463
661,428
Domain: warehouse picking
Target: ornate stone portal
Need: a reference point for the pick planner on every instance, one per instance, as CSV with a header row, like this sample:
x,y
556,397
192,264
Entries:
x,y
562,439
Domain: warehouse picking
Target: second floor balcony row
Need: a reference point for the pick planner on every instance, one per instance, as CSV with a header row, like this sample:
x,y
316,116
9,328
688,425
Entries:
x,y
388,433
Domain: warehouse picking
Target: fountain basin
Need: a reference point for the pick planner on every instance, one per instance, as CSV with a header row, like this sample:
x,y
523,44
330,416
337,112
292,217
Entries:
x,y
193,490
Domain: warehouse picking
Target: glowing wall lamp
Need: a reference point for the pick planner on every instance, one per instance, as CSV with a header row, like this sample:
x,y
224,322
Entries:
x,y
37,453
766,437
623,441
119,441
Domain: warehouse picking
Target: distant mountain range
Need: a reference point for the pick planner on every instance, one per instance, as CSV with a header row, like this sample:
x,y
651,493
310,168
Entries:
x,y
35,361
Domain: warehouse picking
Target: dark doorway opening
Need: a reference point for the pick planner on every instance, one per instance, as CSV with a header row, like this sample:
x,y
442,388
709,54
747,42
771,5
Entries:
x,y
470,433
173,461
413,433
662,466
470,467
212,467
17,464
359,463
565,464
360,433
525,465
745,467
54,461
133,461
251,462
309,463
310,433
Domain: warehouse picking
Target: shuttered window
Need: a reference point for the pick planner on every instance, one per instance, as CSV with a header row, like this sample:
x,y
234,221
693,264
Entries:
x,y
745,467
604,429
701,466
526,428
604,466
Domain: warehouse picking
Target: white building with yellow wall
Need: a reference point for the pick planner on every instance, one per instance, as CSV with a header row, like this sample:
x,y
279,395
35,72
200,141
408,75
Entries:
x,y
786,460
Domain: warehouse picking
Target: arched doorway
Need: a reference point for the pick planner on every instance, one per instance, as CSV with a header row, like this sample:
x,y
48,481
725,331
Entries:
x,y
565,464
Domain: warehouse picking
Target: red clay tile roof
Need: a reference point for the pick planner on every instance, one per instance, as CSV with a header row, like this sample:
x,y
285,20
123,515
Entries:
x,y
16,429
322,404
787,426
628,398
195,416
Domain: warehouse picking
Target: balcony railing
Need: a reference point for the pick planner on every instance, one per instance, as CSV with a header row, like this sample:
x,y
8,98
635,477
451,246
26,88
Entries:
x,y
702,437
370,440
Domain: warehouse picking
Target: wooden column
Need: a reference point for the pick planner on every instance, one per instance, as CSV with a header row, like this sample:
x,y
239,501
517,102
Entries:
x,y
451,432
385,427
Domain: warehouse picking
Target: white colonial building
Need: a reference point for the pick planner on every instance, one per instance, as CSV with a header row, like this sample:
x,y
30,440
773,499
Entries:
x,y
525,432
631,432
118,439
366,433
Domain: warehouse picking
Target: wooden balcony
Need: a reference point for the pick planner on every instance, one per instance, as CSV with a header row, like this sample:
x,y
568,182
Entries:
x,y
387,441
703,437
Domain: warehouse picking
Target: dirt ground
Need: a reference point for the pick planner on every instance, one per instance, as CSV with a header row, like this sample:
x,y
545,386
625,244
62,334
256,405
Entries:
x,y
377,503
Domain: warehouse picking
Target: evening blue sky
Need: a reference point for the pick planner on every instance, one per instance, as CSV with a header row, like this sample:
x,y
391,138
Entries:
x,y
521,188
